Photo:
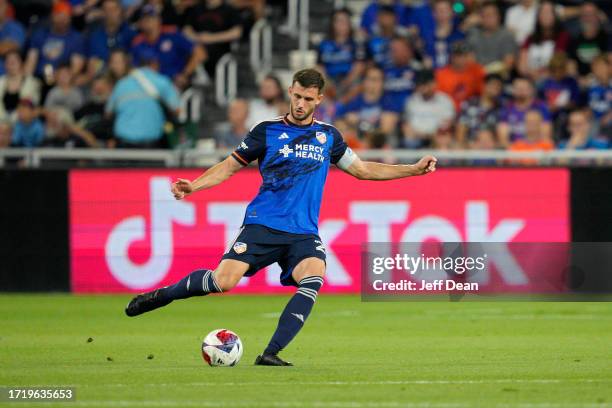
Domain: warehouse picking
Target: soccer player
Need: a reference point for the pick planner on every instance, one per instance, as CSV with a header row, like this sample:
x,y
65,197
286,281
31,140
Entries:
x,y
280,224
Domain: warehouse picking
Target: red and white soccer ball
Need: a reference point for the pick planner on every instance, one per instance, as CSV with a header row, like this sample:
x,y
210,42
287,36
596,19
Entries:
x,y
222,348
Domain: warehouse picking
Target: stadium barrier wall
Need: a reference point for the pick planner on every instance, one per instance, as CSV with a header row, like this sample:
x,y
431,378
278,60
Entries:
x,y
116,219
129,234
34,231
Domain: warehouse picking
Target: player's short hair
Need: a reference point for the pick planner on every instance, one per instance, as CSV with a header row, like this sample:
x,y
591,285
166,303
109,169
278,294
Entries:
x,y
309,78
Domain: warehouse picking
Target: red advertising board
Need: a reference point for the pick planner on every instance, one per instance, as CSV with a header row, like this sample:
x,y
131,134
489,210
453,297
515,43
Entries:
x,y
128,234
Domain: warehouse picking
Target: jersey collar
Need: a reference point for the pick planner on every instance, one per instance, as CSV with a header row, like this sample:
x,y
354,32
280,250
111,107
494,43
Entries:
x,y
289,123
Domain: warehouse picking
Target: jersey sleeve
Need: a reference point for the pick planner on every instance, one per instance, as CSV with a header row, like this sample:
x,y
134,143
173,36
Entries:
x,y
253,146
339,147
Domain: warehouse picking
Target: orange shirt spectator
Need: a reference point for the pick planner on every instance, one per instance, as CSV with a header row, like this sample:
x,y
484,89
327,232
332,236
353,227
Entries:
x,y
535,140
463,78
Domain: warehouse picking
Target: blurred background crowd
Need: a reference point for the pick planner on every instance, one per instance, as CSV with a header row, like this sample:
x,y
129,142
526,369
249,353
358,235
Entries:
x,y
522,75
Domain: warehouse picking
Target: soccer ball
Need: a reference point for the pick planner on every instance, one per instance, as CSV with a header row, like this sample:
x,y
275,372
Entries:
x,y
222,347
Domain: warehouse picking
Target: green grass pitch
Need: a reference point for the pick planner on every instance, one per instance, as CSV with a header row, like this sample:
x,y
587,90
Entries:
x,y
349,355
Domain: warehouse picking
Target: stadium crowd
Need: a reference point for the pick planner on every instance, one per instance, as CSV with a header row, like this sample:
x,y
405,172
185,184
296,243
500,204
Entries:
x,y
520,75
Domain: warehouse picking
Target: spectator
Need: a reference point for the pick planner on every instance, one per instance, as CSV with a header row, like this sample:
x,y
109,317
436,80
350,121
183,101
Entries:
x,y
377,46
591,41
484,139
118,64
56,45
16,85
512,117
548,38
136,102
12,34
399,77
6,134
493,45
340,58
64,94
443,139
521,19
582,133
463,78
178,57
535,137
599,91
481,112
232,132
113,33
249,11
63,132
91,116
446,31
369,18
270,104
167,10
426,111
365,110
28,130
560,91
214,25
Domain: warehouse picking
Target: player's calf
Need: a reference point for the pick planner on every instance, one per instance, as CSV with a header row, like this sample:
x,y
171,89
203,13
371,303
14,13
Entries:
x,y
295,314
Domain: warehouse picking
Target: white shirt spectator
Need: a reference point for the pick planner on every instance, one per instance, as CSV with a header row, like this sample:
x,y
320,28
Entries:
x,y
259,110
521,21
427,115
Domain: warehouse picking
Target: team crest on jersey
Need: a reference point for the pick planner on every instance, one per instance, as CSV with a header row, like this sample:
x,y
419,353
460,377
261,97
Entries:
x,y
321,137
240,247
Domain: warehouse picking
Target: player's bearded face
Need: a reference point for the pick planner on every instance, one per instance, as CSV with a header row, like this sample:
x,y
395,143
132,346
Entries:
x,y
303,101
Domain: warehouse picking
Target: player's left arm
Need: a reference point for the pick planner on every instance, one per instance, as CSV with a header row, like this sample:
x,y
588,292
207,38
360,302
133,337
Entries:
x,y
366,170
344,157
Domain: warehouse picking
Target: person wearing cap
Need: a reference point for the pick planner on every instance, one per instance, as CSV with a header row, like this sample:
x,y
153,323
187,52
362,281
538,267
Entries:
x,y
12,34
136,104
28,130
426,111
55,45
463,78
178,57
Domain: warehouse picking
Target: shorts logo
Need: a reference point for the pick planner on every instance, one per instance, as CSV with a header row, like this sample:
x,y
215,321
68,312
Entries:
x,y
319,246
321,137
240,247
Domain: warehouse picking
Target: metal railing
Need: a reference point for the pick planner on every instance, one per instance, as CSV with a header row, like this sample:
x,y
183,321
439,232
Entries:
x,y
191,105
226,79
298,20
261,48
39,157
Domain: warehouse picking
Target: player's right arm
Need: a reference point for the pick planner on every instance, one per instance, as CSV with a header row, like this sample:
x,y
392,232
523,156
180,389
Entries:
x,y
217,174
252,148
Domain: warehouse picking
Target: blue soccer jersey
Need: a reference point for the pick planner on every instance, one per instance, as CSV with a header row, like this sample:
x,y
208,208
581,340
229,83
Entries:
x,y
293,161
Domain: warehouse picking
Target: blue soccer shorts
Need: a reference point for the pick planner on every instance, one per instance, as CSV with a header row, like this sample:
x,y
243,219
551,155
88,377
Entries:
x,y
260,246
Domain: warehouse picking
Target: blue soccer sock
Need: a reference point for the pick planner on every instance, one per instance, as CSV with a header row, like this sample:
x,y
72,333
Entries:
x,y
198,283
295,314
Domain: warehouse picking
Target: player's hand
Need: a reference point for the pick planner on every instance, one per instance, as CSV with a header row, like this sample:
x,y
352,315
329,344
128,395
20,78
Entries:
x,y
181,188
427,164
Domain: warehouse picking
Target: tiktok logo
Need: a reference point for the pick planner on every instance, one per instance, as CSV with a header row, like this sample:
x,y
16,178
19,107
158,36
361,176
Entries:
x,y
165,211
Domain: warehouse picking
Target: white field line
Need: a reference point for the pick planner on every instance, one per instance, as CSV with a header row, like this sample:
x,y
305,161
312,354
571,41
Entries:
x,y
317,404
353,383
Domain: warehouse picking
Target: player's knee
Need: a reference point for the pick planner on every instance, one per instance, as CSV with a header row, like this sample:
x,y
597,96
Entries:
x,y
225,281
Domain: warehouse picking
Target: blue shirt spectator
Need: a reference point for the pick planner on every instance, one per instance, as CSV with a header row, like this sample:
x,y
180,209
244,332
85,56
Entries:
x,y
420,15
139,117
442,34
173,50
369,17
113,33
560,93
28,130
55,48
582,133
399,76
12,36
338,59
599,98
